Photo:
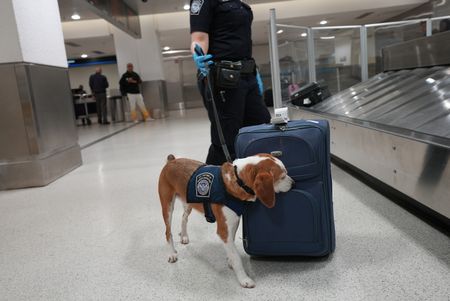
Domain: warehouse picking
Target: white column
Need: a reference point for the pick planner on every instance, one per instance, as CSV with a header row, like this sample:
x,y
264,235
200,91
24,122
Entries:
x,y
144,53
31,32
37,129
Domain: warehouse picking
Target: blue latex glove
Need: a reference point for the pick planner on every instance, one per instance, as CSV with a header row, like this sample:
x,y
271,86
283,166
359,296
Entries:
x,y
260,83
201,60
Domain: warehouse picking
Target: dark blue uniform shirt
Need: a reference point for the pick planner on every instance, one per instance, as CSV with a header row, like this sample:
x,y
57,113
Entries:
x,y
228,23
206,185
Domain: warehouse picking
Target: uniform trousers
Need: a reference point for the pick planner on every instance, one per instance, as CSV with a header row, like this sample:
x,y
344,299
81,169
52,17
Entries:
x,y
239,107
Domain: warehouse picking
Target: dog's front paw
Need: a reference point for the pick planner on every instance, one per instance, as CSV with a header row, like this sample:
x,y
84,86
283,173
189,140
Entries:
x,y
184,240
173,258
247,283
230,265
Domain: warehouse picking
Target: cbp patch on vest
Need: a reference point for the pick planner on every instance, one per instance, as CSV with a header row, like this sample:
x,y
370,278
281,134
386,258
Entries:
x,y
203,184
196,6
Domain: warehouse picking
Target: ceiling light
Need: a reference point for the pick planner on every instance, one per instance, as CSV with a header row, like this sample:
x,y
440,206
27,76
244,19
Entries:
x,y
323,22
328,38
430,80
304,34
280,31
166,48
84,55
75,17
447,104
186,7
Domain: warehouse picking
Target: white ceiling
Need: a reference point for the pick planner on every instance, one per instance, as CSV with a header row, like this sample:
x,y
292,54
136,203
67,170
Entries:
x,y
180,38
166,6
90,46
68,7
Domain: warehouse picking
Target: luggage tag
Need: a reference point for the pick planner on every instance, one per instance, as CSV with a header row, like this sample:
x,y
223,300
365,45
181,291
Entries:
x,y
281,117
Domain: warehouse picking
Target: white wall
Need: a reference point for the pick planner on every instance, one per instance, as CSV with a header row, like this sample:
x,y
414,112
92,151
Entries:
x,y
343,50
145,53
80,76
26,36
261,54
149,50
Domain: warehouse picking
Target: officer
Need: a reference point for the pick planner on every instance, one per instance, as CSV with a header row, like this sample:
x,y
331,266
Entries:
x,y
222,28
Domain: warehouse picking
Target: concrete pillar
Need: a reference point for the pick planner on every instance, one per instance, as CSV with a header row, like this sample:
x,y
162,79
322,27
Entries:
x,y
38,138
145,54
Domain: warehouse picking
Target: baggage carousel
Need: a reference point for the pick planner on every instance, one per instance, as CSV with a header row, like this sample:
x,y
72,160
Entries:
x,y
395,127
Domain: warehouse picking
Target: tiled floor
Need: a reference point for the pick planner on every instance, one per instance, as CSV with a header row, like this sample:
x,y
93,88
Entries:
x,y
97,234
88,134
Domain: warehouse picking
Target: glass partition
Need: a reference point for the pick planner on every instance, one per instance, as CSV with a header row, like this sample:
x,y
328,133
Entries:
x,y
340,56
293,58
337,52
382,35
440,24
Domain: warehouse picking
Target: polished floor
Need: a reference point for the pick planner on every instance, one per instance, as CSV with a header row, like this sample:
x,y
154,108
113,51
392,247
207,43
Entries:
x,y
97,234
89,134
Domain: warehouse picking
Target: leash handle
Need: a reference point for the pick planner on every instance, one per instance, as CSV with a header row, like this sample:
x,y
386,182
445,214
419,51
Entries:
x,y
199,51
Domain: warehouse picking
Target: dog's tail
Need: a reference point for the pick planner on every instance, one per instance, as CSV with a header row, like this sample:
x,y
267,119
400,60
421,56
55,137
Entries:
x,y
170,158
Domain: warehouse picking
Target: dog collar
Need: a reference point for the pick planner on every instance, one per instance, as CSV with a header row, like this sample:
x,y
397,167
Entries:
x,y
241,183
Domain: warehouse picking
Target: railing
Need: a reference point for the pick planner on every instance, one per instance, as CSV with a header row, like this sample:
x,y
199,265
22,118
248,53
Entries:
x,y
340,56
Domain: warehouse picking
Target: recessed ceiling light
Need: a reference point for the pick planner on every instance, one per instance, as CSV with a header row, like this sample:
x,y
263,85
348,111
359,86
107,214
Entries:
x,y
166,48
280,31
328,38
323,22
304,34
75,17
84,55
447,104
186,7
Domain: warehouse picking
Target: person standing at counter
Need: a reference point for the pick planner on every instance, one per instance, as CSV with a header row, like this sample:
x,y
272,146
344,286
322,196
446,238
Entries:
x,y
98,84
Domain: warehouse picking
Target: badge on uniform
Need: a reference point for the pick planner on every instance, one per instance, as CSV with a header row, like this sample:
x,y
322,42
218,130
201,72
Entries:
x,y
203,184
196,6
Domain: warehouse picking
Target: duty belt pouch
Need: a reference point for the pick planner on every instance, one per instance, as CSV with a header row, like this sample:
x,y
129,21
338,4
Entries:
x,y
228,74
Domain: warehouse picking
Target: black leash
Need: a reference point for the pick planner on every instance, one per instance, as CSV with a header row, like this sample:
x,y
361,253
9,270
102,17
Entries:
x,y
199,51
217,121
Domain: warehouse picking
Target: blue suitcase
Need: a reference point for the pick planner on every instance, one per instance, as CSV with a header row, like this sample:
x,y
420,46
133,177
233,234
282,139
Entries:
x,y
302,222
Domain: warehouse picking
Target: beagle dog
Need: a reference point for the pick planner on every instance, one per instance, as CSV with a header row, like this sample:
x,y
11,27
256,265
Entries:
x,y
244,180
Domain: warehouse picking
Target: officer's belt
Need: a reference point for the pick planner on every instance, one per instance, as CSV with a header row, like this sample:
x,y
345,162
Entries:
x,y
245,66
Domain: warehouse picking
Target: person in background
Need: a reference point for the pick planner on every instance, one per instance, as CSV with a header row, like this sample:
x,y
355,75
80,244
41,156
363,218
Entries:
x,y
98,84
222,29
129,86
80,90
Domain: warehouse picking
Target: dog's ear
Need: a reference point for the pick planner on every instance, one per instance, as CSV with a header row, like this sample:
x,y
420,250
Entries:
x,y
264,190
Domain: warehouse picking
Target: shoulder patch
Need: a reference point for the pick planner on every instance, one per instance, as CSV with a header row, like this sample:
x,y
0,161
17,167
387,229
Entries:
x,y
196,7
203,184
